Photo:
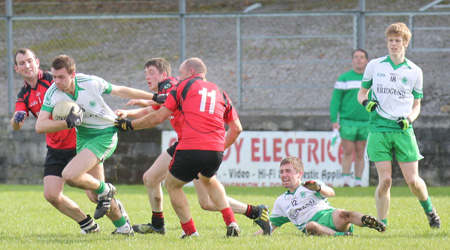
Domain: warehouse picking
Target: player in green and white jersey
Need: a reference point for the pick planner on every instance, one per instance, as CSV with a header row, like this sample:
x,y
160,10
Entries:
x,y
349,118
396,85
96,134
305,205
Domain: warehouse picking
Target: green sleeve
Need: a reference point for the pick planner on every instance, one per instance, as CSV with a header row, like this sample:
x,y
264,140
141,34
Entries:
x,y
335,104
279,221
367,84
417,95
108,88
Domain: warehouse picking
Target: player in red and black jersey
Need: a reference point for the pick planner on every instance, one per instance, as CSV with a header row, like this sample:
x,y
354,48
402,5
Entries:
x,y
61,146
204,107
157,72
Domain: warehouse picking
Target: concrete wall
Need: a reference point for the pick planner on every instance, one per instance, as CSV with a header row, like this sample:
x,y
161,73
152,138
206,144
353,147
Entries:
x,y
23,152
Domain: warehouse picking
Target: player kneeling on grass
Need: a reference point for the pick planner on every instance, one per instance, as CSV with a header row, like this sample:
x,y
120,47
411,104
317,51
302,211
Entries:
x,y
305,205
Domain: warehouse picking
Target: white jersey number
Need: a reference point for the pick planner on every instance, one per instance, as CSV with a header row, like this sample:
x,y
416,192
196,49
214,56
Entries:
x,y
205,94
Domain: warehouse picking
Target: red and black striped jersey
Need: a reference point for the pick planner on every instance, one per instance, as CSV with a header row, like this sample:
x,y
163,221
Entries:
x,y
30,100
204,109
164,88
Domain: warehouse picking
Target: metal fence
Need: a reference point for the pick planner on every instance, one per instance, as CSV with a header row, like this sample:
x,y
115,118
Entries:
x,y
269,63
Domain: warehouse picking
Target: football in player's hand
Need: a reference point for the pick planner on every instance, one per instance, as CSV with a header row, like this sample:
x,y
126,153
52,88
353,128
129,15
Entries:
x,y
62,110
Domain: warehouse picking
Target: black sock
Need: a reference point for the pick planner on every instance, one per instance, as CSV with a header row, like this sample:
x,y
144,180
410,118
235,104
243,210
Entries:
x,y
87,223
158,219
252,212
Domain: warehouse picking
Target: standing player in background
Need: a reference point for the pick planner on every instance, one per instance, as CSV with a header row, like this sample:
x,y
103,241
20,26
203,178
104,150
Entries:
x,y
204,108
61,146
159,79
350,118
397,89
96,134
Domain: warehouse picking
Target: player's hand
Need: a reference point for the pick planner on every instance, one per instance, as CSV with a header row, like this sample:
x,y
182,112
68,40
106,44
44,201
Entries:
x,y
123,124
121,113
159,98
370,105
312,185
404,122
74,119
20,116
138,102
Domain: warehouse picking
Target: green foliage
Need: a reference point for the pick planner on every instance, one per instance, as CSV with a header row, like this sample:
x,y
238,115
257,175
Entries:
x,y
30,222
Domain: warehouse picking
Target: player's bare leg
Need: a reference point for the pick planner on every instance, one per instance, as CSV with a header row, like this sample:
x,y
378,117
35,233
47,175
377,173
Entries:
x,y
343,219
217,194
360,147
383,191
180,204
207,204
260,214
75,173
347,159
152,179
116,213
53,193
418,187
314,228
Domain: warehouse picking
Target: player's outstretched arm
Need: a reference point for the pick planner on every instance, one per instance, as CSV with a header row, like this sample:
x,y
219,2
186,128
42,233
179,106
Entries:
x,y
131,93
133,113
149,121
141,102
45,125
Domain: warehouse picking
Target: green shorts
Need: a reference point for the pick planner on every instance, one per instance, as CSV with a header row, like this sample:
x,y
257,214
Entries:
x,y
325,218
382,145
353,133
102,144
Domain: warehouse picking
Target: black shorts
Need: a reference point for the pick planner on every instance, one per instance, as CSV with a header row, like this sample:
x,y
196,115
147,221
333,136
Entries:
x,y
187,164
171,150
56,160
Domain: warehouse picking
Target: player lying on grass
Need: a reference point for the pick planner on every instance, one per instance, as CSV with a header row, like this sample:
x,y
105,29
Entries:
x,y
158,76
306,206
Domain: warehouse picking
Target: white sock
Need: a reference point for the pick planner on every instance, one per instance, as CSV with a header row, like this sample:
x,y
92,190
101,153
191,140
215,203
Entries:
x,y
357,182
124,229
347,179
106,191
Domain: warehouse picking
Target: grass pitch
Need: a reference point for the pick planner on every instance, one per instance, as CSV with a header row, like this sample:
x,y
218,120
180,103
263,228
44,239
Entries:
x,y
30,222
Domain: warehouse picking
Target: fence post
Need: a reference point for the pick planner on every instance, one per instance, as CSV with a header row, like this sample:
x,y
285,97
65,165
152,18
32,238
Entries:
x,y
182,9
9,55
361,24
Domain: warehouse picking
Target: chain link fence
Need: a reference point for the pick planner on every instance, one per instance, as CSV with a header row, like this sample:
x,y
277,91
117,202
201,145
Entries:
x,y
269,63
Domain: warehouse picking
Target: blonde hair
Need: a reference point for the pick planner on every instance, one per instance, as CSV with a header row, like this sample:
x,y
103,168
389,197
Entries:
x,y
294,161
399,29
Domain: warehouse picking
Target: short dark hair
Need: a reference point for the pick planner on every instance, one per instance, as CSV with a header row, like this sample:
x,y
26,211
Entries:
x,y
64,61
23,51
161,64
360,50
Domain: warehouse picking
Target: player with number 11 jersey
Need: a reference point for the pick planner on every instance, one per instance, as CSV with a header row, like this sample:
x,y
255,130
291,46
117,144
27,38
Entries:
x,y
204,107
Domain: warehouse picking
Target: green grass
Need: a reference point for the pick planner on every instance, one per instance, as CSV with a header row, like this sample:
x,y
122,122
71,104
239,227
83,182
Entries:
x,y
29,222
